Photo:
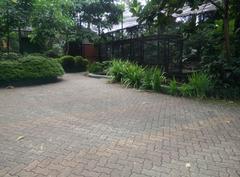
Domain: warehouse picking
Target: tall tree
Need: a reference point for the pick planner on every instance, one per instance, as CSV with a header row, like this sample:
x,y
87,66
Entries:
x,y
102,14
157,10
15,14
50,19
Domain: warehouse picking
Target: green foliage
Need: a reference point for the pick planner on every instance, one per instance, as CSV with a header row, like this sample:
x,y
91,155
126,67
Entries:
x,y
28,69
10,56
147,79
226,78
53,53
68,63
132,75
158,78
186,90
96,68
153,79
201,84
102,14
117,69
49,20
81,63
173,87
232,92
74,64
99,68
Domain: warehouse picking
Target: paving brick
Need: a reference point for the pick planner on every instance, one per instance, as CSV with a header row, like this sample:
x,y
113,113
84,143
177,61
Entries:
x,y
87,127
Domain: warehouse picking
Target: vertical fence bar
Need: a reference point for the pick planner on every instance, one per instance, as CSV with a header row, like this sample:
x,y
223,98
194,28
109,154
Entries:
x,y
133,46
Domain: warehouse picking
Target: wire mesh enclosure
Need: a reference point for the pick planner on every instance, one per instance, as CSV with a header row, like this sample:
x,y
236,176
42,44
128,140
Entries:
x,y
144,46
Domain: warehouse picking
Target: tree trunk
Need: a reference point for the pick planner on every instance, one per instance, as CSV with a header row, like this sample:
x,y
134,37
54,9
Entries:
x,y
237,29
67,46
20,40
99,30
8,31
226,31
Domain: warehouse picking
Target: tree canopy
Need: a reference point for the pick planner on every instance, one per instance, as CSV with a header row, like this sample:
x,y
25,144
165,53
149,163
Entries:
x,y
51,20
160,12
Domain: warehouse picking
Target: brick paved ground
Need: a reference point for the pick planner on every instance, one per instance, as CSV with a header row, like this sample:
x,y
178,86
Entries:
x,y
86,127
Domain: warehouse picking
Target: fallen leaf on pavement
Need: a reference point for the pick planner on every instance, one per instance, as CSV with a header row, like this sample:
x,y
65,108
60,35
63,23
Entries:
x,y
20,138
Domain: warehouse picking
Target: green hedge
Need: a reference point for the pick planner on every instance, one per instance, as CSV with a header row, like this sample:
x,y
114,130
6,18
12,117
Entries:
x,y
28,69
74,64
10,56
80,64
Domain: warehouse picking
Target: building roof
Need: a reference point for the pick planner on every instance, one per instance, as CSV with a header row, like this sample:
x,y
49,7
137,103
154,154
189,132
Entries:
x,y
129,20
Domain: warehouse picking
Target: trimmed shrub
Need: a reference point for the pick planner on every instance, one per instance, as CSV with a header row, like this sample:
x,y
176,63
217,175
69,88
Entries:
x,y
74,64
10,56
81,63
37,54
68,63
28,69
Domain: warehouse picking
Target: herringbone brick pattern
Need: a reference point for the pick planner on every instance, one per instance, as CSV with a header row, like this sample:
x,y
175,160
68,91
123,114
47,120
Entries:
x,y
87,127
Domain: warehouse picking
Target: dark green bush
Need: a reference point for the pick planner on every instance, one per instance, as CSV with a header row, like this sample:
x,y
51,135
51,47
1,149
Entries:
x,y
225,76
68,63
37,54
10,56
52,53
81,63
226,93
96,68
30,68
74,64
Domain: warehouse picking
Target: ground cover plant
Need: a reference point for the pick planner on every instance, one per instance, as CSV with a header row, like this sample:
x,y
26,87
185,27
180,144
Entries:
x,y
153,78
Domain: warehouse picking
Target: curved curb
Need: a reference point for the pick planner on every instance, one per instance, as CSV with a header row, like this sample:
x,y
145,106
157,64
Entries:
x,y
97,76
